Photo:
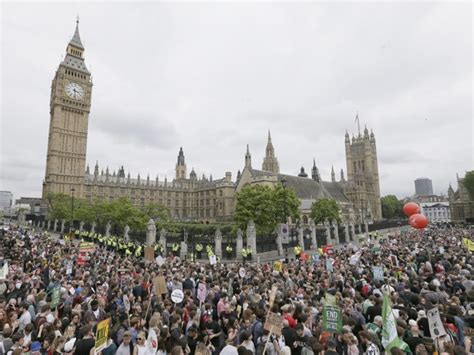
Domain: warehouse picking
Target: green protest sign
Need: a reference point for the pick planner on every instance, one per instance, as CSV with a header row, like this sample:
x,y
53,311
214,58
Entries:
x,y
332,319
55,296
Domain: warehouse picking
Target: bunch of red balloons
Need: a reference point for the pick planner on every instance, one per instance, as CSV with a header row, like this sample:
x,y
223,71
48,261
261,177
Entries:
x,y
415,218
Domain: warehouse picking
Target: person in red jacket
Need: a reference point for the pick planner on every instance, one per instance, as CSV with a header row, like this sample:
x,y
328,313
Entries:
x,y
288,310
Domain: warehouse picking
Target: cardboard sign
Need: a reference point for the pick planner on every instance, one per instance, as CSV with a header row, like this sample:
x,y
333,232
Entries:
x,y
86,247
81,259
378,273
332,319
160,285
202,292
213,260
273,323
177,296
160,260
273,293
69,268
436,325
102,334
149,253
329,299
55,296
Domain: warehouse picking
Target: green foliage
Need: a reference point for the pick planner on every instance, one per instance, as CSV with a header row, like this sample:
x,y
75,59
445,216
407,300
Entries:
x,y
265,206
325,210
59,206
392,207
468,183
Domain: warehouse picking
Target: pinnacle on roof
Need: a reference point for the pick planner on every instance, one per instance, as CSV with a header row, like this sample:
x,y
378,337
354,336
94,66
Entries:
x,y
76,38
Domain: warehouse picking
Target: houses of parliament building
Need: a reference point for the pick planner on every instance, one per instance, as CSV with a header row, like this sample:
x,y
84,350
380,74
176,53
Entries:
x,y
187,196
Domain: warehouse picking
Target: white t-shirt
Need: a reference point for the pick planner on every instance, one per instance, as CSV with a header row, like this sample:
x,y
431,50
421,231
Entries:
x,y
229,350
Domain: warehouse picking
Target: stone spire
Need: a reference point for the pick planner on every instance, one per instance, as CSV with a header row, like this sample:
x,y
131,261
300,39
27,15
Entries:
x,y
192,174
333,174
96,168
315,172
238,174
342,176
121,172
366,133
180,165
347,138
270,162
88,170
248,158
76,38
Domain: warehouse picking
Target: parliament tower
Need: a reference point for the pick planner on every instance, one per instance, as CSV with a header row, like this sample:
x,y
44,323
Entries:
x,y
363,175
70,104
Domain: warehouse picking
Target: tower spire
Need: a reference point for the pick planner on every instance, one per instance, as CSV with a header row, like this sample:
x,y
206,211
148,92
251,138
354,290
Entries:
x,y
315,172
270,162
333,174
248,158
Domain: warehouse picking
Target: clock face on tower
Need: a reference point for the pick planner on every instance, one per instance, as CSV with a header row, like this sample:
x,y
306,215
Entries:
x,y
74,91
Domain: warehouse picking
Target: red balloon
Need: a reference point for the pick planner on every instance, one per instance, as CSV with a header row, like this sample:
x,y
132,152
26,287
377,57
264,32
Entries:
x,y
418,221
411,208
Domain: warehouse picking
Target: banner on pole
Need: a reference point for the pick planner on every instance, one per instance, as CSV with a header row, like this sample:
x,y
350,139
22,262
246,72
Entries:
x,y
273,323
160,285
378,273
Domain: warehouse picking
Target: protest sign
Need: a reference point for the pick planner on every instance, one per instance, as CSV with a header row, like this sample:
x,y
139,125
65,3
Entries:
x,y
177,296
86,247
160,260
332,320
273,323
242,272
55,296
378,273
69,268
316,258
159,283
149,253
102,335
277,266
212,260
329,266
273,293
4,270
436,325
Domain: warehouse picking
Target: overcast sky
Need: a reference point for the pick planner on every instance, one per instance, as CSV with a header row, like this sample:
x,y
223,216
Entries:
x,y
213,77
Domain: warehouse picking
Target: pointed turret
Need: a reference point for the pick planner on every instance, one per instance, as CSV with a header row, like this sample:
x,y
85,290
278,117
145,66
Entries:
x,y
372,136
347,138
148,180
302,173
193,175
333,174
88,170
315,172
157,180
128,178
270,162
248,158
180,165
96,168
74,53
342,176
121,172
238,175
366,133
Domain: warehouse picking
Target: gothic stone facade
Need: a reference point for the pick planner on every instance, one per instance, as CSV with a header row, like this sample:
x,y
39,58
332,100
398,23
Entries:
x,y
187,197
460,203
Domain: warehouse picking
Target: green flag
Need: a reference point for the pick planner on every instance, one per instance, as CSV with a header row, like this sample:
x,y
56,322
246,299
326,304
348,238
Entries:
x,y
390,337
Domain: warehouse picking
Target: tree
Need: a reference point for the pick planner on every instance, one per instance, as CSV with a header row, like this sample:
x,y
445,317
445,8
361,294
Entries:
x,y
59,206
265,206
286,203
159,213
392,207
325,210
83,211
468,183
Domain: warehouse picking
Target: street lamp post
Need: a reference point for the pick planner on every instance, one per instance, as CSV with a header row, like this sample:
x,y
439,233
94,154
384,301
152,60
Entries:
x,y
284,183
72,208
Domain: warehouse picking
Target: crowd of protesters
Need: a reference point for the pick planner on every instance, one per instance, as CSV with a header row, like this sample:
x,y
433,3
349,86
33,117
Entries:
x,y
421,270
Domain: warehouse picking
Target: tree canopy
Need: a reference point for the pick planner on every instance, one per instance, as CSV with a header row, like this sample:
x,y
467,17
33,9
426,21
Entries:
x,y
325,210
266,206
392,207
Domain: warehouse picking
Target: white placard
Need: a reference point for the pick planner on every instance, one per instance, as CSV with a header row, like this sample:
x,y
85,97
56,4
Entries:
x,y
177,296
160,260
213,260
436,325
242,272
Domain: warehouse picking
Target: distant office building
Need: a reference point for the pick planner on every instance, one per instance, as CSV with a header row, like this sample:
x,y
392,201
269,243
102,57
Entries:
x,y
32,204
6,200
423,187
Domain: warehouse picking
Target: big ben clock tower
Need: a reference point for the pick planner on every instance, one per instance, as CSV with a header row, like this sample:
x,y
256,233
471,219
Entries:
x,y
69,117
